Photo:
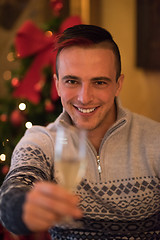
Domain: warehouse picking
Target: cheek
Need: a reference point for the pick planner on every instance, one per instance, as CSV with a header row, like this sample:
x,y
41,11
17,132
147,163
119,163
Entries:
x,y
108,95
65,95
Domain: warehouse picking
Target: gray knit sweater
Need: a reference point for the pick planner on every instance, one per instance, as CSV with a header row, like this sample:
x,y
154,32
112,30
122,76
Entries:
x,y
123,202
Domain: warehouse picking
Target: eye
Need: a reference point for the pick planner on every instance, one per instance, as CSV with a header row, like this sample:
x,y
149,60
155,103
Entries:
x,y
71,81
101,83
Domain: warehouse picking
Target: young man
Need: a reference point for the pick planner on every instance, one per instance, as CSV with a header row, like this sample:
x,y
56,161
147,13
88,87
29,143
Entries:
x,y
120,193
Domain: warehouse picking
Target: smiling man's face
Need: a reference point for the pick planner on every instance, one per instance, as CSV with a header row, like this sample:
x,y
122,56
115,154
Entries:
x,y
87,86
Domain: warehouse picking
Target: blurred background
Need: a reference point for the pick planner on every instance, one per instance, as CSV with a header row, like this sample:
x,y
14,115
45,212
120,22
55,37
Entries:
x,y
27,93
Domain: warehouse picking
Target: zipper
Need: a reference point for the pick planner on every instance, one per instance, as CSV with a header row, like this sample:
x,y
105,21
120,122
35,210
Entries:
x,y
98,158
99,167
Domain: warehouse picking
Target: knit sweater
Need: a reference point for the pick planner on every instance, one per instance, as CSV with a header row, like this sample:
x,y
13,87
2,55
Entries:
x,y
122,202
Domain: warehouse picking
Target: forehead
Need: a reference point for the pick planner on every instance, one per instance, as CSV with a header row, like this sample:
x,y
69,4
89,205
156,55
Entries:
x,y
86,61
89,54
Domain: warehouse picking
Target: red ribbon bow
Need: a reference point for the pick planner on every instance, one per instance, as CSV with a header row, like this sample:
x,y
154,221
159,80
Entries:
x,y
30,40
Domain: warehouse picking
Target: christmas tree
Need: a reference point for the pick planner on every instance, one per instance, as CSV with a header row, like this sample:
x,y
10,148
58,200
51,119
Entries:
x,y
32,98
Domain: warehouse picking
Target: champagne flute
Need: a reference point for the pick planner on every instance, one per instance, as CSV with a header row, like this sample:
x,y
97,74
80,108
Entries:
x,y
70,158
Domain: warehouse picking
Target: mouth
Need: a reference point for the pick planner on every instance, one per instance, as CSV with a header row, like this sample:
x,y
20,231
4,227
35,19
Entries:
x,y
86,110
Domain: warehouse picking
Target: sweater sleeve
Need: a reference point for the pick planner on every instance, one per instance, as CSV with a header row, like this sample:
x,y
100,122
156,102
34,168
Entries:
x,y
31,162
11,211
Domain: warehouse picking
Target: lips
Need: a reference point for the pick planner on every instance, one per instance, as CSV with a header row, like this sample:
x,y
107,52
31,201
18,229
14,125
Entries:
x,y
86,110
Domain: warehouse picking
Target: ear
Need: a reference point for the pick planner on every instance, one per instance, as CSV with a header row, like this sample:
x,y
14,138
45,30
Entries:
x,y
56,84
119,84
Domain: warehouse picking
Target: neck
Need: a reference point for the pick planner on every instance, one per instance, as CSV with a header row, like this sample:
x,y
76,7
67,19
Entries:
x,y
96,141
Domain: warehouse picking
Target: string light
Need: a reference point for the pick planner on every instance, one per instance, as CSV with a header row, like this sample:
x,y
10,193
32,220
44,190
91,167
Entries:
x,y
15,82
48,33
4,142
3,157
22,106
18,55
28,125
10,57
7,75
3,117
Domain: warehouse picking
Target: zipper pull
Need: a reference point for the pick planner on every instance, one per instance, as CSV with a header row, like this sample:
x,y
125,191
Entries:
x,y
99,167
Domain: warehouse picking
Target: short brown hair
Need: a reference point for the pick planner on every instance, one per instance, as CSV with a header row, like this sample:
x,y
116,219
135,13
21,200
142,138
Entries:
x,y
88,35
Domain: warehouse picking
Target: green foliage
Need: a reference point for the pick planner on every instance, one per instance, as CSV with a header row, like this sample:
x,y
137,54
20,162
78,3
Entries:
x,y
12,120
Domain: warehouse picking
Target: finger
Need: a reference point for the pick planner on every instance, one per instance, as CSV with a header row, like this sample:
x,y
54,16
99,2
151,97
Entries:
x,y
56,191
38,212
55,205
35,223
37,218
62,208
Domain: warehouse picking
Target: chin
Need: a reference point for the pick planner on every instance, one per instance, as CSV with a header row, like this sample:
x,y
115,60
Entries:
x,y
86,127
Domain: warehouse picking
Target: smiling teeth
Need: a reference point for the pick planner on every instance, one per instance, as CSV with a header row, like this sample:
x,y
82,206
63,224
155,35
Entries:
x,y
86,110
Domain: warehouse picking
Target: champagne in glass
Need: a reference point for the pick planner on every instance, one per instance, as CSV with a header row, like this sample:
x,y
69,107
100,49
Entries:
x,y
70,156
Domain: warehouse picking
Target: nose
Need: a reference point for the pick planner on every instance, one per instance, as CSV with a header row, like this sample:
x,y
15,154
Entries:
x,y
85,95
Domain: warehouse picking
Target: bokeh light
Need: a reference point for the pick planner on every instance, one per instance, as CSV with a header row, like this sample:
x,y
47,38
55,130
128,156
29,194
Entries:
x,y
22,106
28,125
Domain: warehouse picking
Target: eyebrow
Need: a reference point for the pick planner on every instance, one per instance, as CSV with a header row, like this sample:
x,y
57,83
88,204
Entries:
x,y
101,78
70,77
93,79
